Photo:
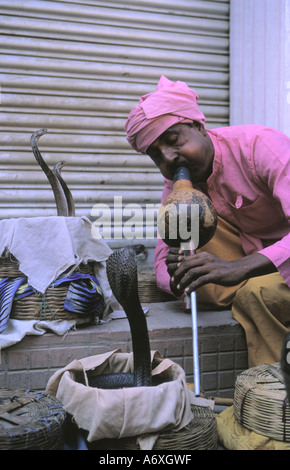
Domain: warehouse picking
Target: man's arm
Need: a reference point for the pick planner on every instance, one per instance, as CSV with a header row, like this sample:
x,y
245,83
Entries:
x,y
193,271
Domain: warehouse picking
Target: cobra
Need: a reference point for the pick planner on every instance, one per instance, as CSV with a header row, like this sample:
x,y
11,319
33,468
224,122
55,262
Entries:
x,y
67,194
62,195
122,276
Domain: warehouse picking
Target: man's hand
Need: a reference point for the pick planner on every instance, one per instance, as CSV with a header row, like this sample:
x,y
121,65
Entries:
x,y
174,257
187,273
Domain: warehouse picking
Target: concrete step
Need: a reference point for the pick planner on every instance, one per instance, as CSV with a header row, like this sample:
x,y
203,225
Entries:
x,y
222,348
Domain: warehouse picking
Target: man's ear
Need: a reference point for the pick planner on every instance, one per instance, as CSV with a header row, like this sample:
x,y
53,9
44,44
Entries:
x,y
199,126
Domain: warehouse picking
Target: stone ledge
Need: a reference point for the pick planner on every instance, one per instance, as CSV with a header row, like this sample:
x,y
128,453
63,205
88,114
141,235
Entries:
x,y
222,348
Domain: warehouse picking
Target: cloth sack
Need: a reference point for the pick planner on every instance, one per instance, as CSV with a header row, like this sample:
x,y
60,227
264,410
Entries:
x,y
127,412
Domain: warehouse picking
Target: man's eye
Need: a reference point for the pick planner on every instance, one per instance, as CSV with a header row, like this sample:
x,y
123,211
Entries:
x,y
171,139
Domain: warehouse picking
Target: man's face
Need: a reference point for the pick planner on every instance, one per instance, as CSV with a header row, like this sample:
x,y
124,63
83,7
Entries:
x,y
183,144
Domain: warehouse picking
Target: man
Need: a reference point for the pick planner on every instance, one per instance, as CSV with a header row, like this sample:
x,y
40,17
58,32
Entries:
x,y
245,170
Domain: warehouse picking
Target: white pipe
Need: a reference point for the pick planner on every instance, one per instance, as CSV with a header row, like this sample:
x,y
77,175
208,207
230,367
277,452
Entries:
x,y
191,301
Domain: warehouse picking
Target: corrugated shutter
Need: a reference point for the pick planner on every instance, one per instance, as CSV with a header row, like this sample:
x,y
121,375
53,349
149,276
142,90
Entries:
x,y
77,68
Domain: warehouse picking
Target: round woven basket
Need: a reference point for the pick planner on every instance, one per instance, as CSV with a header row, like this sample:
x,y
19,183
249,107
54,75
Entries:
x,y
148,290
48,307
260,403
199,434
30,421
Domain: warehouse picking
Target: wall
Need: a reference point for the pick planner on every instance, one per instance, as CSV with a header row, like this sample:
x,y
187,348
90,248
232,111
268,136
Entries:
x,y
260,63
77,68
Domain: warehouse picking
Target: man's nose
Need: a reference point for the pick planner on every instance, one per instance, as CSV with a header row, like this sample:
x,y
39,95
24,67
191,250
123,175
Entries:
x,y
169,155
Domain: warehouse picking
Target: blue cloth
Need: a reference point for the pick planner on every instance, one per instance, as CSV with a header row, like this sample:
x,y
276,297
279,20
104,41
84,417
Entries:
x,y
8,288
84,295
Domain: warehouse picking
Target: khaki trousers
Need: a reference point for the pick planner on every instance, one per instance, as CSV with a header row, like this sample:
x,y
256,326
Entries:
x,y
261,305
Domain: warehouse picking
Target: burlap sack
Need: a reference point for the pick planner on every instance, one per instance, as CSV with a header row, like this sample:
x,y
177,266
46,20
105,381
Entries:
x,y
124,412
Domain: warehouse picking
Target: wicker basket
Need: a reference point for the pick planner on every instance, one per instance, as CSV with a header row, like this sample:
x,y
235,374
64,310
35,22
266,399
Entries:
x,y
260,403
148,289
47,307
30,421
199,434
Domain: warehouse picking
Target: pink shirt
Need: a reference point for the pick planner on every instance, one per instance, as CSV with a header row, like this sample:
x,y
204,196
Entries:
x,y
250,188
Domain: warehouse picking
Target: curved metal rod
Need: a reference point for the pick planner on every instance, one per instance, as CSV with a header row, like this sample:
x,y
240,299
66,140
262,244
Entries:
x,y
68,195
60,200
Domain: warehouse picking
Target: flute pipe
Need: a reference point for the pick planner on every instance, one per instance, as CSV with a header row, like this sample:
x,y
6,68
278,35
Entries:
x,y
196,373
188,248
191,303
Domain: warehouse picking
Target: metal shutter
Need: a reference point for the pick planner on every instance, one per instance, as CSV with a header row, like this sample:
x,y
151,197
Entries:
x,y
77,68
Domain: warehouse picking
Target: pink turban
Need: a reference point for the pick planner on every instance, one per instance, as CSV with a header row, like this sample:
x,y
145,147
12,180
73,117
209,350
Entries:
x,y
169,104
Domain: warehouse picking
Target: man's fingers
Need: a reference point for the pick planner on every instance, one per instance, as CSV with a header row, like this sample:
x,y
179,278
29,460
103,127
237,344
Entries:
x,y
171,268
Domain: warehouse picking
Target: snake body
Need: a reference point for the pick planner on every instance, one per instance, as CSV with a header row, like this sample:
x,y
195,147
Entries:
x,y
122,276
61,203
65,189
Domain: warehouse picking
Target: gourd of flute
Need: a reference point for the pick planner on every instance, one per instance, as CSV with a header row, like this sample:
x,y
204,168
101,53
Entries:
x,y
176,216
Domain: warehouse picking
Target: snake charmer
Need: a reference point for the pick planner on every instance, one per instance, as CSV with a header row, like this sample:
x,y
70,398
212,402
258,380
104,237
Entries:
x,y
245,170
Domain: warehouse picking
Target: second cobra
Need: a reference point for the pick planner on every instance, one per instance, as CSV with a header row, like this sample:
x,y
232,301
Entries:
x,y
122,276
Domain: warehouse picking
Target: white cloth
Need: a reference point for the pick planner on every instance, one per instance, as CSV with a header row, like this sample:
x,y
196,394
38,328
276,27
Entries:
x,y
18,329
45,247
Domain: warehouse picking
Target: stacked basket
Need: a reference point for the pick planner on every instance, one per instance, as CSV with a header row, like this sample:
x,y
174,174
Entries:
x,y
260,402
148,290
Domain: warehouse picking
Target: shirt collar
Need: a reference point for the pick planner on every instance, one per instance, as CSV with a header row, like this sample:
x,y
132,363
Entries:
x,y
217,156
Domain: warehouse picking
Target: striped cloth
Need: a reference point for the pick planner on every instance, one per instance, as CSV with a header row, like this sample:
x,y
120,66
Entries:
x,y
8,289
84,295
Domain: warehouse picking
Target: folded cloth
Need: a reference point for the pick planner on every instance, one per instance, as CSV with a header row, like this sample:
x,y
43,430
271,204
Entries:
x,y
18,329
45,247
84,294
